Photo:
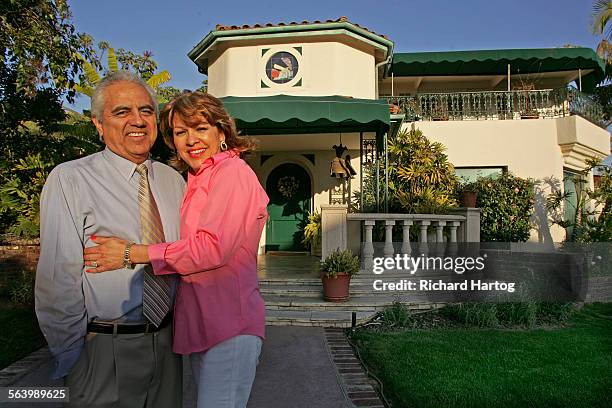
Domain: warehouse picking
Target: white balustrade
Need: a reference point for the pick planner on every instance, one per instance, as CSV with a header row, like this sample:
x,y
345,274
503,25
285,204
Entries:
x,y
462,225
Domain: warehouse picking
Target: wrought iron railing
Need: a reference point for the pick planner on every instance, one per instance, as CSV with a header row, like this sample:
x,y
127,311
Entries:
x,y
544,103
584,105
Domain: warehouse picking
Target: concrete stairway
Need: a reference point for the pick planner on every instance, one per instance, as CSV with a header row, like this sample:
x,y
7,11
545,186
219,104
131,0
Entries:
x,y
299,302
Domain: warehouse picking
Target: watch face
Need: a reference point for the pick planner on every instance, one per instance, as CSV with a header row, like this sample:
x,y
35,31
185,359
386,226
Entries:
x,y
282,67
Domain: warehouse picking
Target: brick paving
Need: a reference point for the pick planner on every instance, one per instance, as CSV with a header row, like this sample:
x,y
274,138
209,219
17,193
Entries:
x,y
356,384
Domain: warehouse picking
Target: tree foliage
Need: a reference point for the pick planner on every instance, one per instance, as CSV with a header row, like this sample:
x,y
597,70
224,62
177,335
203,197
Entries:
x,y
506,205
592,211
39,44
38,65
602,94
33,153
421,179
143,65
601,14
37,134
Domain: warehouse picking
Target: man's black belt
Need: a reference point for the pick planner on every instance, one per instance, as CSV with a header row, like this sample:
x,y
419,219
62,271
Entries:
x,y
126,328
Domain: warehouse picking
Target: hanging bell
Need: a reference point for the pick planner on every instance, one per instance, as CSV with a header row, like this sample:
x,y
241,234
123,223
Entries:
x,y
338,167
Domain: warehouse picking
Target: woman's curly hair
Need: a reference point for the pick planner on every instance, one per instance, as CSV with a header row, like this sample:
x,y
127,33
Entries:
x,y
192,106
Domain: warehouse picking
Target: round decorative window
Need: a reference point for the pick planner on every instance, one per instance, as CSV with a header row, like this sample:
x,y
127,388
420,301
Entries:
x,y
282,67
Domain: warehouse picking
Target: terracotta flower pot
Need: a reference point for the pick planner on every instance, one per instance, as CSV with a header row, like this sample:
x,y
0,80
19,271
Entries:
x,y
336,289
468,198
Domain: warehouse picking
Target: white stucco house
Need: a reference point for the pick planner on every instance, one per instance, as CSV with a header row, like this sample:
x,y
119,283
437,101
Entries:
x,y
302,89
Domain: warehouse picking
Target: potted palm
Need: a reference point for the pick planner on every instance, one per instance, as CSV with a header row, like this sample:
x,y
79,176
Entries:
x,y
336,272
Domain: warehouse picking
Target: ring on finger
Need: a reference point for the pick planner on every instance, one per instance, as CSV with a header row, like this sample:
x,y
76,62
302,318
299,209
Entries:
x,y
94,264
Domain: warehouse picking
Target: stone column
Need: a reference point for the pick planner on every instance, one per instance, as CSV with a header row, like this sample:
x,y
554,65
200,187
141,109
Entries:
x,y
333,228
469,231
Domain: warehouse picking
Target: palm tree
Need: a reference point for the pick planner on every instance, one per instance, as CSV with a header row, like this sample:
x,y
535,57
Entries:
x,y
93,76
602,12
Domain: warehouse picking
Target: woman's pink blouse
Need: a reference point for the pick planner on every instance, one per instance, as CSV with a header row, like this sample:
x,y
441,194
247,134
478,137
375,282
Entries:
x,y
222,217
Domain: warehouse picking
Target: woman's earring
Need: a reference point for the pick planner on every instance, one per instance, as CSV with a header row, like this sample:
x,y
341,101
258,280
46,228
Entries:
x,y
223,145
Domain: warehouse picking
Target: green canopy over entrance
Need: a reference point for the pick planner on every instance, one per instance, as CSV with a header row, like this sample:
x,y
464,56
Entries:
x,y
284,114
495,62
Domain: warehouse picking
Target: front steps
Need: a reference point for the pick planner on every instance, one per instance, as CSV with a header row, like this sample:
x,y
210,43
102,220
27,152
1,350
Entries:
x,y
299,302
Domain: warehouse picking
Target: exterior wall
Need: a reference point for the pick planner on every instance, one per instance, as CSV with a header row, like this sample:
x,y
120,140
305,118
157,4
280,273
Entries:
x,y
326,68
528,148
579,139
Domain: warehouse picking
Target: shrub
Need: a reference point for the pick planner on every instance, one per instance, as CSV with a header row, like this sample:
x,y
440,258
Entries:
x,y
21,290
421,179
396,315
555,312
506,205
517,313
312,230
473,314
24,169
340,261
592,220
20,195
527,313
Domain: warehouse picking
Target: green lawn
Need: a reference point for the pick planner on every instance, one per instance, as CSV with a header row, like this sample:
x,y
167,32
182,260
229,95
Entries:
x,y
552,367
19,333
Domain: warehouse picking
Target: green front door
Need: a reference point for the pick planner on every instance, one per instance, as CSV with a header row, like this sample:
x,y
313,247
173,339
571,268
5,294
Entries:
x,y
288,187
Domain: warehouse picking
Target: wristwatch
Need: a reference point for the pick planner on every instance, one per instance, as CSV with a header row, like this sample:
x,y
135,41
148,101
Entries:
x,y
127,263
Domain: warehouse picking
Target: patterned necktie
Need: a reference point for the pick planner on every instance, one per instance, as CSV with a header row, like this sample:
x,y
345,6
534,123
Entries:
x,y
156,298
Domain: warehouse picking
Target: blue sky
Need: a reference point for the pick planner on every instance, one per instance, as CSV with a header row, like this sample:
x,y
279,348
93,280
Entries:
x,y
171,29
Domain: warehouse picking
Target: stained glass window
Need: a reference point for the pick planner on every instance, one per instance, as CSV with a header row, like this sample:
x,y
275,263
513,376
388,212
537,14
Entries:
x,y
282,67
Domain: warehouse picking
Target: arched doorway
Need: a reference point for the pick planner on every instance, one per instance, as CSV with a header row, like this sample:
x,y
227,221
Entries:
x,y
289,189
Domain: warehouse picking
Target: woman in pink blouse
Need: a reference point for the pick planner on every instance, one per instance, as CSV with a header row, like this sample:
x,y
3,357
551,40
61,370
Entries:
x,y
219,314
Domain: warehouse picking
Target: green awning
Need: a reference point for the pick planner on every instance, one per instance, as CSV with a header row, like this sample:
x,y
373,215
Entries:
x,y
284,114
495,62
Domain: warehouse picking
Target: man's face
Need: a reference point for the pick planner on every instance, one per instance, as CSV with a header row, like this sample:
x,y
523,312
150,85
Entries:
x,y
128,124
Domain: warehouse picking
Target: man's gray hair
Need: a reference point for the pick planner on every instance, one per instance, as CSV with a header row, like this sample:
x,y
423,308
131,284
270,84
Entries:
x,y
97,98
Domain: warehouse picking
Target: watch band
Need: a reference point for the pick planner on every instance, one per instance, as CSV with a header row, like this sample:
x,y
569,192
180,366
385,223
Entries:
x,y
127,263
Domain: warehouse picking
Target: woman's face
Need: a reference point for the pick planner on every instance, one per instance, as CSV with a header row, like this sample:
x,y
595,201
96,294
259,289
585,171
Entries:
x,y
196,142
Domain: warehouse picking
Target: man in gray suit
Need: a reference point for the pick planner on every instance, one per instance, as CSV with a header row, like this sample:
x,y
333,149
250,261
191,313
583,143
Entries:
x,y
108,352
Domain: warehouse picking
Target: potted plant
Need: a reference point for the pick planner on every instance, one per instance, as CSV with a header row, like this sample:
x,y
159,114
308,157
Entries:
x,y
439,109
312,233
336,272
468,194
527,110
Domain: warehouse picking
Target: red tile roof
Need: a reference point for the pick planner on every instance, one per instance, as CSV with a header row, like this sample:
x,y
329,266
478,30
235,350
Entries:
x,y
343,19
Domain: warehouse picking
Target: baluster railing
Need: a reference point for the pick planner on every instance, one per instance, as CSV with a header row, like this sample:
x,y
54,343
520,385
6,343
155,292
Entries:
x,y
388,251
406,237
439,226
543,103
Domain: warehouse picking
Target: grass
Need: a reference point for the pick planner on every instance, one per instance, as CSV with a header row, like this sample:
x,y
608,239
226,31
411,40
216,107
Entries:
x,y
19,335
458,367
